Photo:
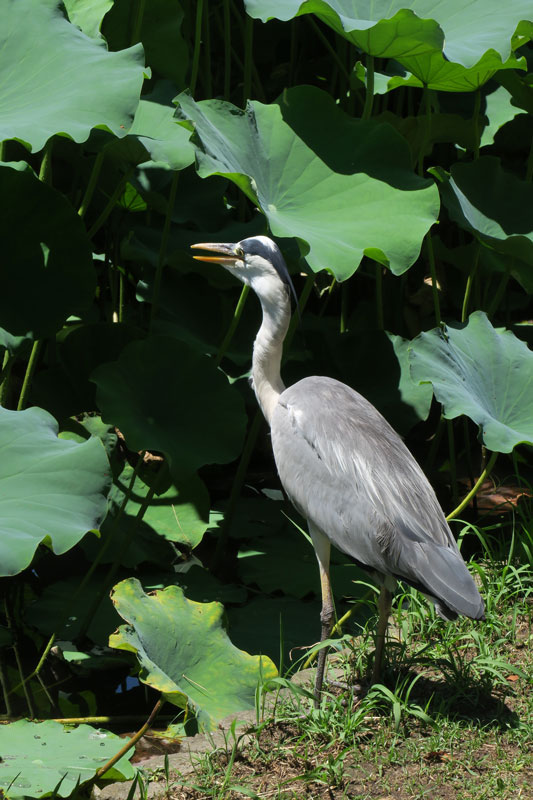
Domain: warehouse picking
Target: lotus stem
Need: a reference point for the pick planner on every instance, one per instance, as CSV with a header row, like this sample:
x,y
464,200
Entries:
x,y
131,742
163,246
137,25
468,287
197,45
227,49
30,369
110,204
237,314
45,171
91,186
433,274
369,96
248,58
474,490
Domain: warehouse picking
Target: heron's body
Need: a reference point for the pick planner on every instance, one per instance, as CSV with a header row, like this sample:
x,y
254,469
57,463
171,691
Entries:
x,y
355,480
344,468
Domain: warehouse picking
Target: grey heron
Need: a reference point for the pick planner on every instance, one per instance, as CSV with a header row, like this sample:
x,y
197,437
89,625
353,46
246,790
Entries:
x,y
344,468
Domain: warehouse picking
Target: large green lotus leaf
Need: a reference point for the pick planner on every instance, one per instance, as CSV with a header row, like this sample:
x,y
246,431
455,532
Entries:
x,y
160,33
51,490
180,514
164,396
483,373
185,653
341,217
155,135
163,137
519,87
46,269
493,204
474,36
58,80
88,14
499,110
40,759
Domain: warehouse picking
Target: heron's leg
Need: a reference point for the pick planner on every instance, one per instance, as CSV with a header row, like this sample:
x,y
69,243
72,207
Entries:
x,y
384,608
327,615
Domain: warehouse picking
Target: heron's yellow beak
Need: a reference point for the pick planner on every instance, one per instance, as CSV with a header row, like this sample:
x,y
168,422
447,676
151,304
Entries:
x,y
228,259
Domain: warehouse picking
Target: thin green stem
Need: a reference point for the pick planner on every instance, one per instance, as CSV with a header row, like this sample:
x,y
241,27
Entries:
x,y
138,21
130,742
91,186
207,72
331,50
453,459
45,171
30,369
237,314
380,317
119,188
344,307
18,661
475,121
163,246
227,50
124,544
369,96
248,58
3,684
302,302
121,294
474,490
499,293
433,274
197,44
236,489
435,443
529,166
426,140
7,365
468,287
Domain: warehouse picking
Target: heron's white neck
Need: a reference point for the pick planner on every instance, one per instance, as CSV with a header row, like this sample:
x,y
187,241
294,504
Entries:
x,y
268,348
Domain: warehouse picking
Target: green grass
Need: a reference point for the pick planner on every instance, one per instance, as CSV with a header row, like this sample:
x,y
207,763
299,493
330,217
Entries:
x,y
452,719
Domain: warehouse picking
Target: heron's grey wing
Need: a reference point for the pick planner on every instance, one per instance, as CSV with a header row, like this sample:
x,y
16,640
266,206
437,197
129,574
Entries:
x,y
348,471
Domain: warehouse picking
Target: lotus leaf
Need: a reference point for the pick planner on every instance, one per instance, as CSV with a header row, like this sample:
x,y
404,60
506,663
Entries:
x,y
40,759
88,14
452,46
58,80
185,653
483,373
473,194
160,395
45,248
52,490
341,217
180,514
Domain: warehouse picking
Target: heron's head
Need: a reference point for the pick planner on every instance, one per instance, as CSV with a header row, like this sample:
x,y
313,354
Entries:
x,y
256,261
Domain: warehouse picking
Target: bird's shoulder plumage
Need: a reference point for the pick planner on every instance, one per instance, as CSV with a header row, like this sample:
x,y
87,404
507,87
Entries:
x,y
347,471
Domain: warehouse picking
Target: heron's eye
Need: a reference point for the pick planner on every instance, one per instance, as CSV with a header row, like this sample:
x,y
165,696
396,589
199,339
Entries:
x,y
239,252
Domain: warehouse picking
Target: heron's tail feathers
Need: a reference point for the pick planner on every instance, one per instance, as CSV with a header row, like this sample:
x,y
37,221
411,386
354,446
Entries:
x,y
441,573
